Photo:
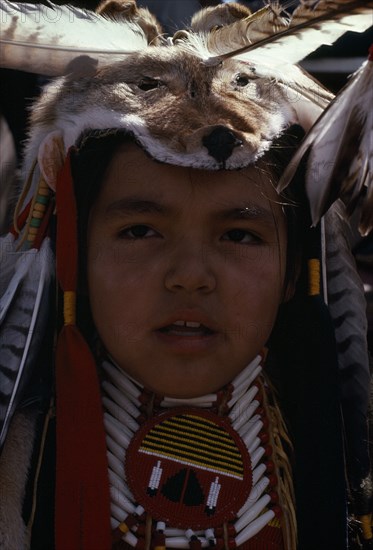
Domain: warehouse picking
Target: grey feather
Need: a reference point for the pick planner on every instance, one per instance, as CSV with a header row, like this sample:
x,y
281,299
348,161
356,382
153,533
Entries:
x,y
8,259
340,154
21,332
17,270
347,305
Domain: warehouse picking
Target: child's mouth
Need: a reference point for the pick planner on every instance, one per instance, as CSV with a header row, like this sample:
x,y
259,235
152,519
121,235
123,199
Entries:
x,y
186,328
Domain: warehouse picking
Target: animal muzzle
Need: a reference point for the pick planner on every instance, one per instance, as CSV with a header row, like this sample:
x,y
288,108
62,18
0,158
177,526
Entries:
x,y
221,142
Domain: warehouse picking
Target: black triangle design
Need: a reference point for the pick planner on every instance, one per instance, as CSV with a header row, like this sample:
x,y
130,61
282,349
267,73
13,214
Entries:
x,y
173,488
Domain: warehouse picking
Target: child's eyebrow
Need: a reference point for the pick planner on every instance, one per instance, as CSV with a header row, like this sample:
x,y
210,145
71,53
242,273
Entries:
x,y
130,205
134,204
248,212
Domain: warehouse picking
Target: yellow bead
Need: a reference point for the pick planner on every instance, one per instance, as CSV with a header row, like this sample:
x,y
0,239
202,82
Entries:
x,y
123,527
38,207
69,307
313,277
366,526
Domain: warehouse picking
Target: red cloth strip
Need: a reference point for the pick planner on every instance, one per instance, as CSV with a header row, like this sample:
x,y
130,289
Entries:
x,y
82,486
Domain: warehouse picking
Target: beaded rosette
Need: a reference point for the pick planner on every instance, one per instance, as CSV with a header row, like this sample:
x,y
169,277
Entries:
x,y
200,472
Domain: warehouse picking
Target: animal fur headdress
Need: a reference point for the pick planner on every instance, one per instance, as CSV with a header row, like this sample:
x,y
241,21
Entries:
x,y
214,96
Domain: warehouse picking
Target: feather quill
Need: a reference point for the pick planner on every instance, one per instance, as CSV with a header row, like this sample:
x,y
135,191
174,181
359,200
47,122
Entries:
x,y
270,34
55,40
22,330
340,154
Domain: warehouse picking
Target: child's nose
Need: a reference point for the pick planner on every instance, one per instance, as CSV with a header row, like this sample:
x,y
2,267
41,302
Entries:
x,y
190,271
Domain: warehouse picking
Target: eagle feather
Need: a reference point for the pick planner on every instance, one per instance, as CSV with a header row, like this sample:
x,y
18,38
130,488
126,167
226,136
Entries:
x,y
312,24
340,154
52,40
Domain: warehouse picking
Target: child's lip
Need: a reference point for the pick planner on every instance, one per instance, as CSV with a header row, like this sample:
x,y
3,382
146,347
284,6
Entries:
x,y
187,343
191,316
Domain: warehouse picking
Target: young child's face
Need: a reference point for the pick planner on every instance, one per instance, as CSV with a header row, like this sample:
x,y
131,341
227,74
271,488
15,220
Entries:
x,y
169,244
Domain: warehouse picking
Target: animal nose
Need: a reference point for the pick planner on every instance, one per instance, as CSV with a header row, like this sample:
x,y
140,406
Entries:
x,y
220,143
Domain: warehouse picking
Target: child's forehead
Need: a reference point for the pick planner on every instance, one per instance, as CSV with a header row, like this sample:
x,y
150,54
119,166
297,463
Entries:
x,y
132,172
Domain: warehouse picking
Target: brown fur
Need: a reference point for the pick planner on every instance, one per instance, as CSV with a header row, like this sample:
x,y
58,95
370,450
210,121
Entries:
x,y
218,16
127,9
188,102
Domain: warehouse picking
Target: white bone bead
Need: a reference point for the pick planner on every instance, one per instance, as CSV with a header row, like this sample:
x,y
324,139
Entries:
x,y
130,538
204,401
257,456
256,426
255,444
245,373
121,415
116,449
258,472
117,483
253,528
114,428
120,399
237,414
117,512
243,402
252,513
115,465
121,379
121,501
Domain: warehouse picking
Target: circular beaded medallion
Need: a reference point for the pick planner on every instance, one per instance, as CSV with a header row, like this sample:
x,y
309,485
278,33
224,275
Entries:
x,y
189,468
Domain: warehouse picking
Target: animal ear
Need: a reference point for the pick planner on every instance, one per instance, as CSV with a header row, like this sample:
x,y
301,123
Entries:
x,y
51,157
112,8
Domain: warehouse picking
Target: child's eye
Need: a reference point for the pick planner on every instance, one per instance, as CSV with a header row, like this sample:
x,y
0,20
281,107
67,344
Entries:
x,y
240,236
137,232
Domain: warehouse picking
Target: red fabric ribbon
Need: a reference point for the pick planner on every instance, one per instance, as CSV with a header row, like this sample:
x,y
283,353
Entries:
x,y
82,486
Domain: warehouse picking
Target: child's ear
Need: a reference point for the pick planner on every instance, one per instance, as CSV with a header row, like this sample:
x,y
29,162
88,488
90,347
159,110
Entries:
x,y
289,291
291,283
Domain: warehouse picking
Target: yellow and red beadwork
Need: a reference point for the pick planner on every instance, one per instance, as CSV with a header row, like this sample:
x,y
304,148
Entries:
x,y
189,467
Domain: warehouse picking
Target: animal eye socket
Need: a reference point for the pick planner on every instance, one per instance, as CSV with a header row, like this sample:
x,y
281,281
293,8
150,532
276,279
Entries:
x,y
242,80
148,83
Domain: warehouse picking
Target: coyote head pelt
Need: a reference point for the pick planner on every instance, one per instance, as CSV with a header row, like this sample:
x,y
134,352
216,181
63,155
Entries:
x,y
183,107
214,96
181,110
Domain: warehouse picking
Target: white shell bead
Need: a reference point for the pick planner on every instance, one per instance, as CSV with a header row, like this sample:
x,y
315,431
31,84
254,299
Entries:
x,y
255,493
116,449
253,528
121,379
245,373
120,399
258,472
120,414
